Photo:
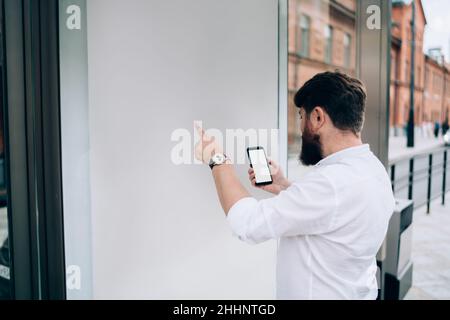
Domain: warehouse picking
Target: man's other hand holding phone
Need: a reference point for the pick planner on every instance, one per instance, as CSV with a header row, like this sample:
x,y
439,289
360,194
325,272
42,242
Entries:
x,y
279,183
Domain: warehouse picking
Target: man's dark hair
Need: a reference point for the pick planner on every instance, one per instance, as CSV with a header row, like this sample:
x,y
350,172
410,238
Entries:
x,y
341,96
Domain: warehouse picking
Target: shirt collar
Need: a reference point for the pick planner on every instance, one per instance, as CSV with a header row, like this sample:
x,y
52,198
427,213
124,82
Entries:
x,y
345,153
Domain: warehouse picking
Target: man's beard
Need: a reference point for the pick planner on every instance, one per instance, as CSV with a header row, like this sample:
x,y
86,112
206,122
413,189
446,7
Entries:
x,y
311,152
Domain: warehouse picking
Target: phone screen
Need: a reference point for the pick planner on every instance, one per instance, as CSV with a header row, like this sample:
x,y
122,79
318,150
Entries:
x,y
260,166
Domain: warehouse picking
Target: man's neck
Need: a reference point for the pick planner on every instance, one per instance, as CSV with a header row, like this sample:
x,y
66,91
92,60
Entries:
x,y
339,142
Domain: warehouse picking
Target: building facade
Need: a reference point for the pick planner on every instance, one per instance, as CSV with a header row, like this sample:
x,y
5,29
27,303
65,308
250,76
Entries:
x,y
432,80
322,36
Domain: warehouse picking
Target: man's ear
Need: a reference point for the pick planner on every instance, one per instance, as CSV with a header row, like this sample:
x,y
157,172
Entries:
x,y
317,118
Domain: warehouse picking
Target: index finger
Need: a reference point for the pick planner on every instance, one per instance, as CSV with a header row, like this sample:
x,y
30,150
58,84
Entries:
x,y
200,131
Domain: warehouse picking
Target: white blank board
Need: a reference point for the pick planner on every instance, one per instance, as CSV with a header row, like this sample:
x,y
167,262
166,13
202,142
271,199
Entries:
x,y
158,231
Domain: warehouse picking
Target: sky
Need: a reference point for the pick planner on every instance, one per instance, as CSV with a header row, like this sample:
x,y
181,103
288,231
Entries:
x,y
437,31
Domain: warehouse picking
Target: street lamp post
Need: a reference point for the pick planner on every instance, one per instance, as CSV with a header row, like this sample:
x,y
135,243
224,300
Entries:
x,y
410,131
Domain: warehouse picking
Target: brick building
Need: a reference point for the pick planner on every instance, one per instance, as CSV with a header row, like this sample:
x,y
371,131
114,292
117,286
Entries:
x,y
437,90
432,79
322,36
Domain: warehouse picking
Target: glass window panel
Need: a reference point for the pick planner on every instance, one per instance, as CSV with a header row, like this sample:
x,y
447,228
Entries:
x,y
331,31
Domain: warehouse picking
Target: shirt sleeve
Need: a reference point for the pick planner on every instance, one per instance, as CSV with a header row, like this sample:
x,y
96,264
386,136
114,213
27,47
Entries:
x,y
305,208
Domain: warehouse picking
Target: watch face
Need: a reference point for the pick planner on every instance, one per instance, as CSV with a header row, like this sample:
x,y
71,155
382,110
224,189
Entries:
x,y
219,158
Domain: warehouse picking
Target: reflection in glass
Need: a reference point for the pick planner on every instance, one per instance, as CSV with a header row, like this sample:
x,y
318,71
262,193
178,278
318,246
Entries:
x,y
321,38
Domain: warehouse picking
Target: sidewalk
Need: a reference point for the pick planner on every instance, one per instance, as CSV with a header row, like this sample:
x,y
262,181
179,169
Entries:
x,y
398,149
431,252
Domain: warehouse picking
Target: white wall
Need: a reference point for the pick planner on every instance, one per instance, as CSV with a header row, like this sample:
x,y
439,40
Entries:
x,y
154,66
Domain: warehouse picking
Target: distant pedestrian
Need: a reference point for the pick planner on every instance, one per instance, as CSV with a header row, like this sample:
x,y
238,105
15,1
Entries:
x,y
445,127
436,129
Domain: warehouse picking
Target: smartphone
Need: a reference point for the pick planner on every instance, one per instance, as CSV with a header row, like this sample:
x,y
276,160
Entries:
x,y
259,163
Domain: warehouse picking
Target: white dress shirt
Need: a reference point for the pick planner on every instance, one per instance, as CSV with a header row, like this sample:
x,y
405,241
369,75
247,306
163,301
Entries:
x,y
330,225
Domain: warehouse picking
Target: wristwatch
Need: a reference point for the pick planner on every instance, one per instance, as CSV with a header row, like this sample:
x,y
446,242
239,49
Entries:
x,y
217,160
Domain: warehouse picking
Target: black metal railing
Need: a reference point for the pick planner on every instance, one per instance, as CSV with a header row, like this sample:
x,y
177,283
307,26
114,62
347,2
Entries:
x,y
421,177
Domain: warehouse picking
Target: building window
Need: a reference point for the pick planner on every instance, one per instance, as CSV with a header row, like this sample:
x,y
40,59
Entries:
x,y
347,49
417,114
407,77
418,76
437,84
328,33
394,67
304,35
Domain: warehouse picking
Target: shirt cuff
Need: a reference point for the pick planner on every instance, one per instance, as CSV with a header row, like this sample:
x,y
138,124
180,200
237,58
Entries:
x,y
239,214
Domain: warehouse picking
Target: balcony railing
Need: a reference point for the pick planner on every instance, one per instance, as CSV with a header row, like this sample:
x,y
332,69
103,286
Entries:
x,y
421,177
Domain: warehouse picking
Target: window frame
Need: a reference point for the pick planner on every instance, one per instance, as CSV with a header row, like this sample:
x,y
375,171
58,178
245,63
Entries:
x,y
31,54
